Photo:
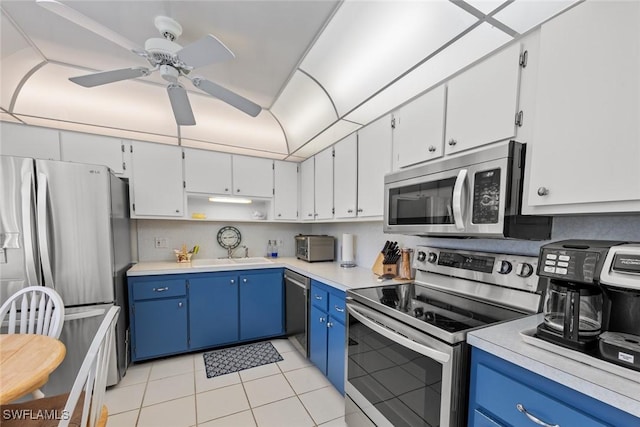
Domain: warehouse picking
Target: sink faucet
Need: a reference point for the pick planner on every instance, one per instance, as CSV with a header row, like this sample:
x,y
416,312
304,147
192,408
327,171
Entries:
x,y
232,251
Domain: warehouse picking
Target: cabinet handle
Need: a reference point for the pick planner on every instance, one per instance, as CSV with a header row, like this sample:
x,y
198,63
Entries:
x,y
543,191
166,288
237,190
226,189
245,280
279,215
310,214
232,281
329,324
318,297
349,210
533,418
452,142
360,210
432,148
338,309
180,304
322,319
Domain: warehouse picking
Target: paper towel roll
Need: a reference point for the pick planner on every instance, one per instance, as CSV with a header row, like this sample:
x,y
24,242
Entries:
x,y
347,248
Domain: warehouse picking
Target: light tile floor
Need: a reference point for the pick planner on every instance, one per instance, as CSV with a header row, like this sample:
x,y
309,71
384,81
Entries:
x,y
175,392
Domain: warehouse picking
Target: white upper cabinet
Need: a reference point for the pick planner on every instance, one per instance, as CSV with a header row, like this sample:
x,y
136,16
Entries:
x,y
93,149
346,177
323,177
252,176
307,189
156,181
374,161
207,171
285,198
586,152
482,102
418,133
29,141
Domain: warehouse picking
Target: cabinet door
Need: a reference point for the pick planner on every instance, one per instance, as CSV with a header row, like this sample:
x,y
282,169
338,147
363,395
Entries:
x,y
252,176
285,184
585,153
345,164
213,310
318,338
336,353
156,187
323,177
29,141
261,305
207,171
307,189
160,327
482,102
418,134
374,161
92,149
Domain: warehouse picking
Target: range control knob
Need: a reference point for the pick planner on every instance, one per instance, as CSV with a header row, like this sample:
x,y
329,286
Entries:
x,y
421,256
432,257
524,270
505,267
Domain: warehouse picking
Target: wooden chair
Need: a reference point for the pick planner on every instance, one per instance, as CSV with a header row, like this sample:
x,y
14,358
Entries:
x,y
34,310
83,406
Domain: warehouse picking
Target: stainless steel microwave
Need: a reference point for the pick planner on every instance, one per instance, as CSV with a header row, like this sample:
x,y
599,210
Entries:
x,y
478,194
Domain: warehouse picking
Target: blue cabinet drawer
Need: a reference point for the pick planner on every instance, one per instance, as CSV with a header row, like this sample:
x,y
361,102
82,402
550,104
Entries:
x,y
159,289
502,395
319,298
337,307
481,420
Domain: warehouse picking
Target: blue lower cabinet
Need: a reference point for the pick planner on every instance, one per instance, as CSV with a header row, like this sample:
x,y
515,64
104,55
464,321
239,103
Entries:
x,y
261,304
213,310
503,394
160,327
175,313
327,332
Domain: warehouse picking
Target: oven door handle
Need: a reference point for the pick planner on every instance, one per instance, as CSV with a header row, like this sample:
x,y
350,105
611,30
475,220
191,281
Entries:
x,y
457,199
422,348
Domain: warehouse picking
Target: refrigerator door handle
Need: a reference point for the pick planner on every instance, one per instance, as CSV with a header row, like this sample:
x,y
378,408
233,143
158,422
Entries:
x,y
27,225
85,314
43,230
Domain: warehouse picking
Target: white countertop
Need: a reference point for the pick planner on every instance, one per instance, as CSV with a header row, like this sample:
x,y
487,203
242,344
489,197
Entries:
x,y
329,273
504,341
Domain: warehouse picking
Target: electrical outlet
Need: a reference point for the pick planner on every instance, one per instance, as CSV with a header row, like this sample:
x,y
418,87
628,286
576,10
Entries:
x,y
160,242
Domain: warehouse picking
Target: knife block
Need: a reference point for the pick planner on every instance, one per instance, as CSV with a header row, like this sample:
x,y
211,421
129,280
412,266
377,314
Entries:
x,y
379,268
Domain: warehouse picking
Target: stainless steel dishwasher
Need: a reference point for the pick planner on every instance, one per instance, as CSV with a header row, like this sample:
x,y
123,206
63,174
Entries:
x,y
297,302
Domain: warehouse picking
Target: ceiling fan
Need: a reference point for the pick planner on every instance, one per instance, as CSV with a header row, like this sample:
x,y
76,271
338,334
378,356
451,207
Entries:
x,y
166,56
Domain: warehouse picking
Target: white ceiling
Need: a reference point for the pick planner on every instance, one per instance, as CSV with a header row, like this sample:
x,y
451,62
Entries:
x,y
319,69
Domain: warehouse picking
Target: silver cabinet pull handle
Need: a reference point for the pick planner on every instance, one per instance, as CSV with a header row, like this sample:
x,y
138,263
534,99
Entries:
x,y
180,304
432,148
245,280
360,210
338,309
452,142
322,319
533,418
543,191
232,281
329,324
166,288
318,297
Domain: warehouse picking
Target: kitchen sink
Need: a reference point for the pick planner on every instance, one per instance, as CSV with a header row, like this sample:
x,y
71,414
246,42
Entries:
x,y
211,262
252,260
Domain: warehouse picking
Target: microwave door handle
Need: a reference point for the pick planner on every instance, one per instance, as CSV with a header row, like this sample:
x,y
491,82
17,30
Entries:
x,y
457,199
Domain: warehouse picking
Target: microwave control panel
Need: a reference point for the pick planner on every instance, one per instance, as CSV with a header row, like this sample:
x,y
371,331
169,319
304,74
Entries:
x,y
486,197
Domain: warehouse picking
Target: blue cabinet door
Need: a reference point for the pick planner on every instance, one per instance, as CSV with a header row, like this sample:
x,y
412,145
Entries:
x,y
213,310
261,304
336,353
318,338
160,327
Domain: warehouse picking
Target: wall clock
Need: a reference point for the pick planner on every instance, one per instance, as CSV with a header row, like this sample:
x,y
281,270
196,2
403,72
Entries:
x,y
229,237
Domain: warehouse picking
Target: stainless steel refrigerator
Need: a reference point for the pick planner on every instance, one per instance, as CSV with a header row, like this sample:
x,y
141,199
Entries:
x,y
66,226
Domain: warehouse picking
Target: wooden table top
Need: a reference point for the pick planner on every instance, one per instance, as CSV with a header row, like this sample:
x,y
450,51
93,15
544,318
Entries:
x,y
26,360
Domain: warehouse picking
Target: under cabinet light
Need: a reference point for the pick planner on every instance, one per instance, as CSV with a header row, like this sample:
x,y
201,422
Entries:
x,y
229,200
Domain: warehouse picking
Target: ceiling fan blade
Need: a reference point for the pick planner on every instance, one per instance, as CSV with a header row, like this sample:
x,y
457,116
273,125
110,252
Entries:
x,y
205,51
84,21
231,98
97,79
181,105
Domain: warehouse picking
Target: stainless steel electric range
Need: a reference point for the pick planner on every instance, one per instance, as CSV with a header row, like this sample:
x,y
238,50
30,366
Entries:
x,y
407,359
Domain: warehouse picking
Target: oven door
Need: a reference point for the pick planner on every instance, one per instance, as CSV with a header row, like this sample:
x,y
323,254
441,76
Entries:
x,y
399,376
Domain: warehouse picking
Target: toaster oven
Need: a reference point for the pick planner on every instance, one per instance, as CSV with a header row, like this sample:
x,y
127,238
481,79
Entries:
x,y
312,248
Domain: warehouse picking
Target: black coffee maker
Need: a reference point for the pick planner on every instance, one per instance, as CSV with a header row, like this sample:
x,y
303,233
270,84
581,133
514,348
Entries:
x,y
573,302
620,281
